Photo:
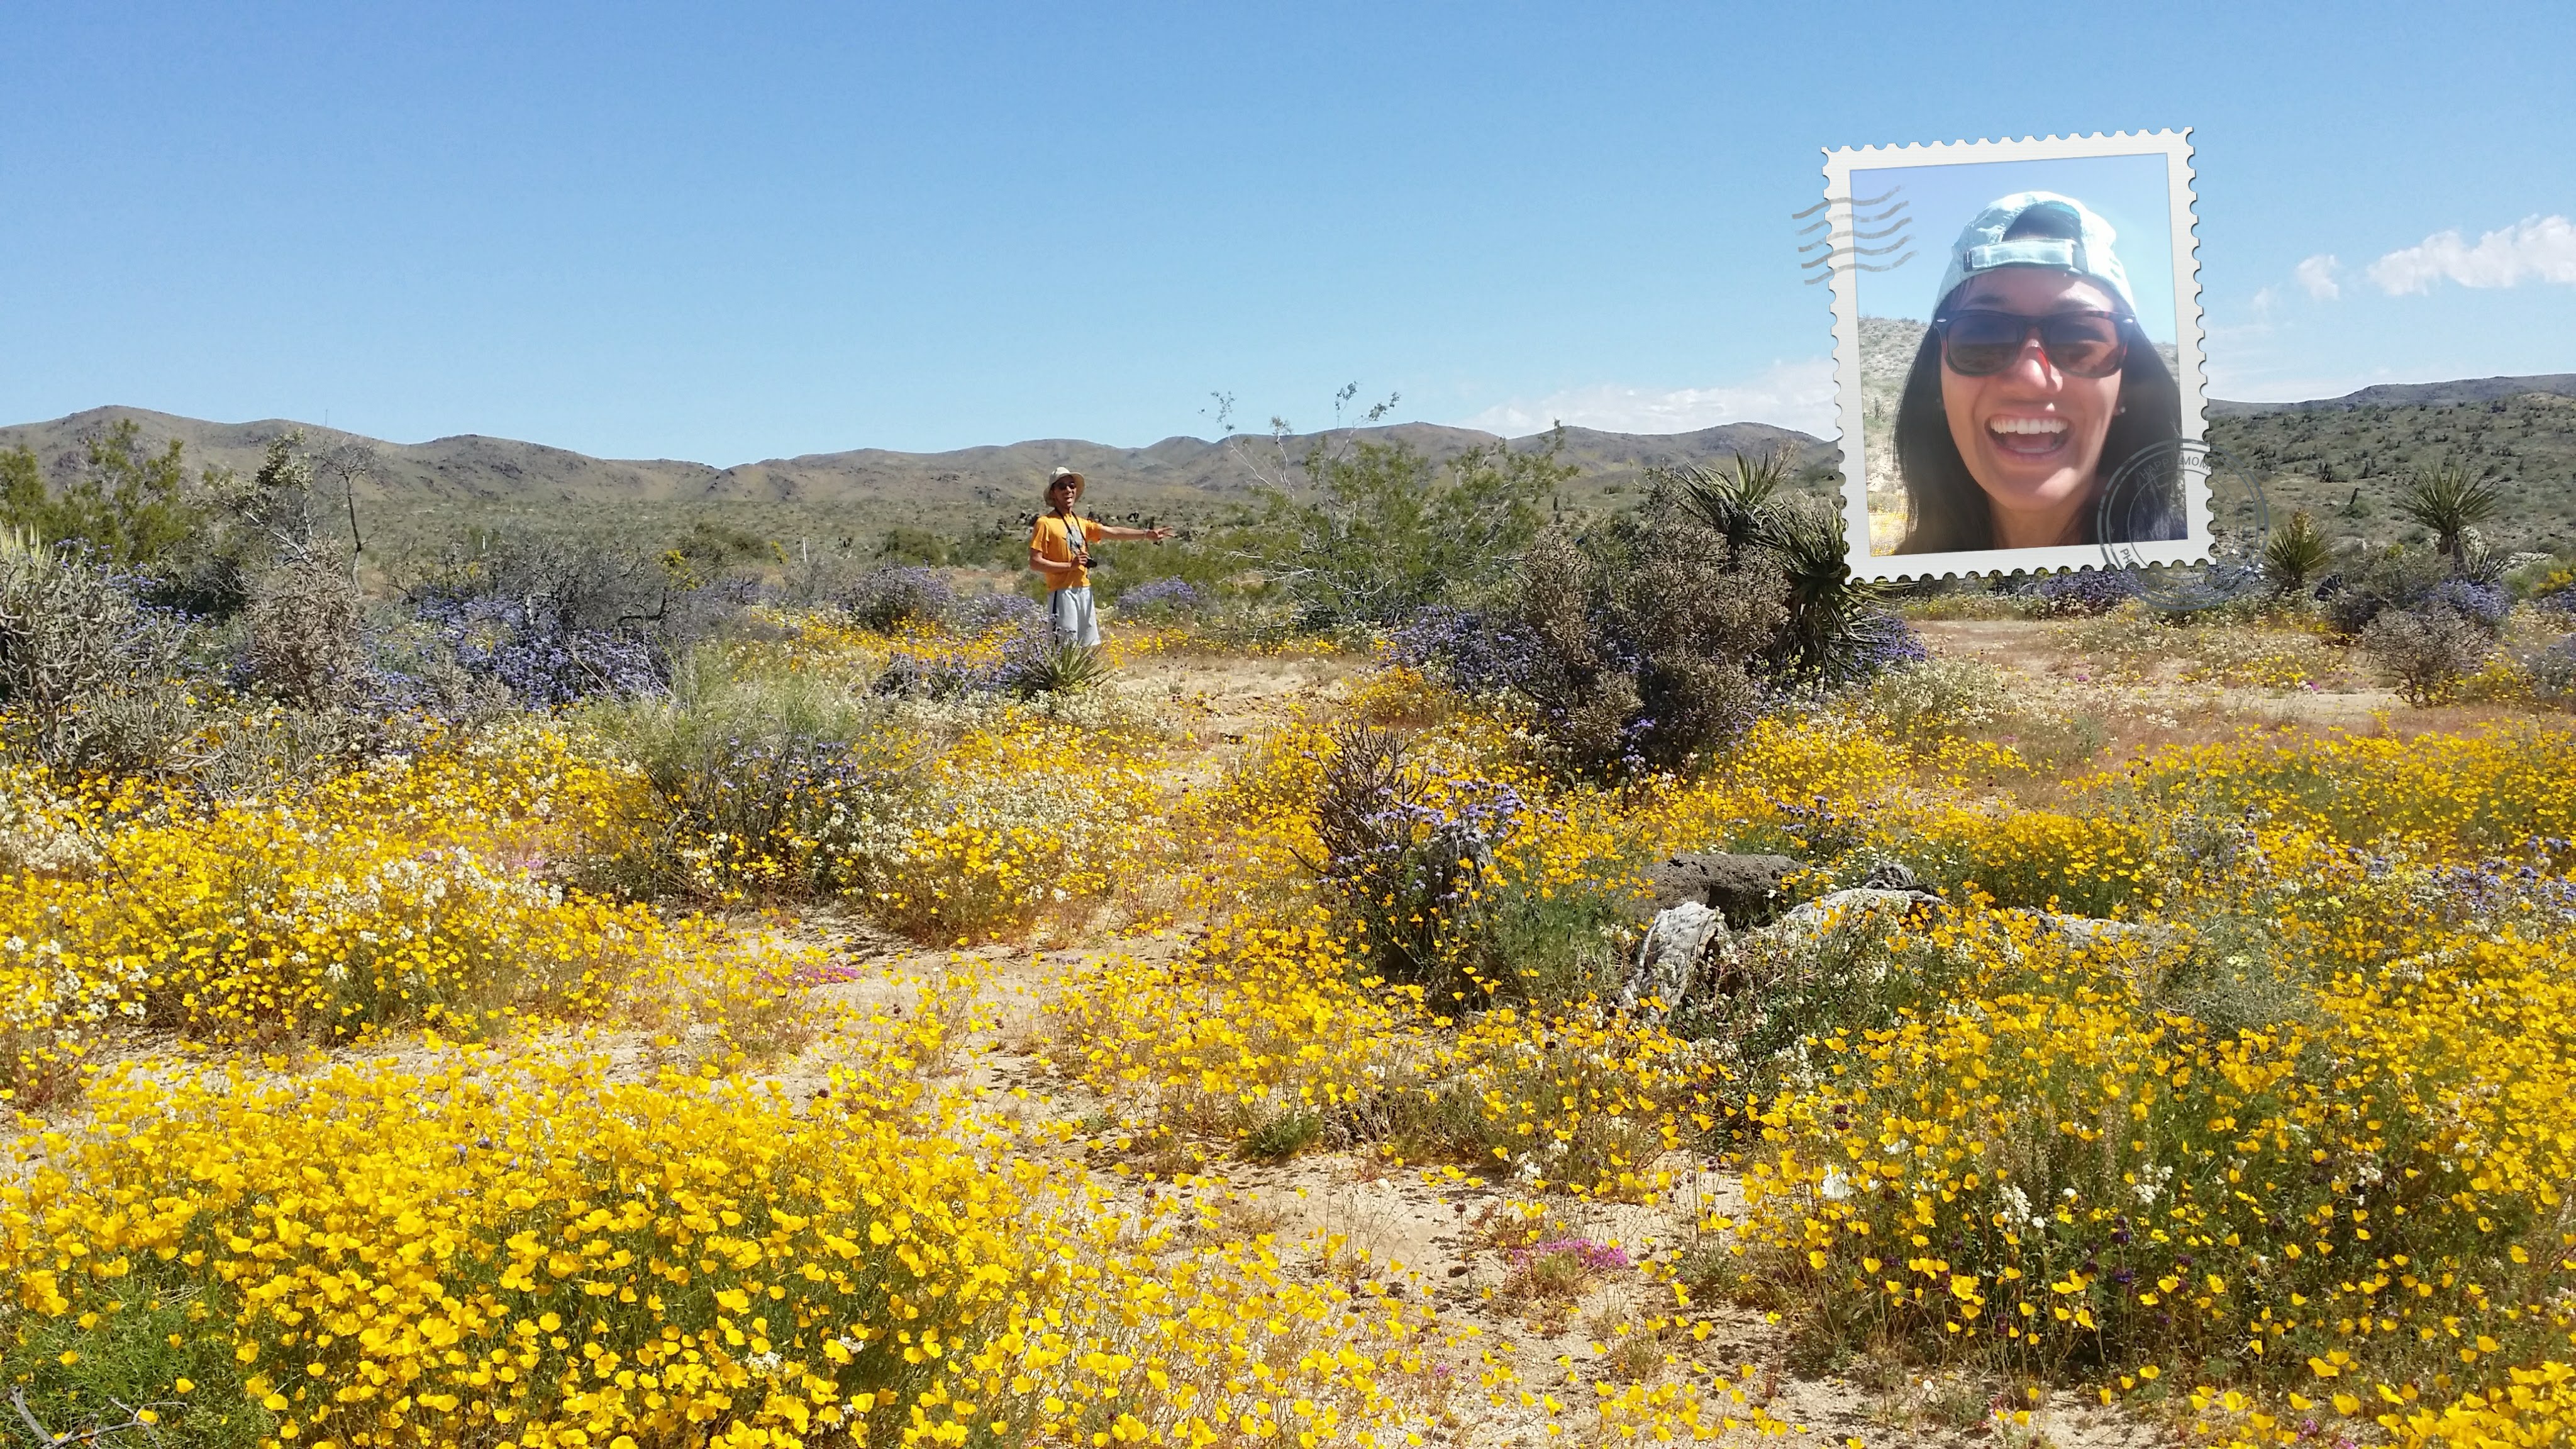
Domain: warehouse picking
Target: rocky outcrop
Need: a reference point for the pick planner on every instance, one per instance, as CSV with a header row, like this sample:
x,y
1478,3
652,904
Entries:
x,y
1668,960
1745,889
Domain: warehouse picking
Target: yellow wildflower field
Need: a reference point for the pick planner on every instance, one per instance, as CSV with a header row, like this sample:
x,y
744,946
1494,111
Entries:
x,y
1053,1070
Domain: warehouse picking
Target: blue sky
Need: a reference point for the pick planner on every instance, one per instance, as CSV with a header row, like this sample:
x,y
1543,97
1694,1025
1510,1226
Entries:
x,y
742,231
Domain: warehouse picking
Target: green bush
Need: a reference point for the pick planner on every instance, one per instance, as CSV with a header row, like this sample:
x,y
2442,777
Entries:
x,y
1376,531
767,782
1649,632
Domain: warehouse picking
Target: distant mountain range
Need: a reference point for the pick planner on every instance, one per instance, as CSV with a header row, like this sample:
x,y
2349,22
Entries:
x,y
470,469
2415,394
471,473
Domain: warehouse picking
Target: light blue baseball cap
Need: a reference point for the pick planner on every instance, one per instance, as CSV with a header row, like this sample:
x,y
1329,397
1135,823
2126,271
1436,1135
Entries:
x,y
2055,231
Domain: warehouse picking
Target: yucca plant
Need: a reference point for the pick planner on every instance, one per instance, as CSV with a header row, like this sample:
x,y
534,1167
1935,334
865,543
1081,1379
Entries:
x,y
1060,668
2295,553
2450,503
1736,502
1827,606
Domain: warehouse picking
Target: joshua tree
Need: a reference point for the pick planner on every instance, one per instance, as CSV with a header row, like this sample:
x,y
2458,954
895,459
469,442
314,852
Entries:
x,y
2450,502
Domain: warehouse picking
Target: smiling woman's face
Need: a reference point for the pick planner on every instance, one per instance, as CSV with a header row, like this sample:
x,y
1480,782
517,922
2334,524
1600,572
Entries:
x,y
2032,434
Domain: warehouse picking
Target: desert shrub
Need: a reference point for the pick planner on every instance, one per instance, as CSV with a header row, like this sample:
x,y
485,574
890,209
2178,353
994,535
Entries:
x,y
1470,650
2429,620
783,785
978,614
1397,863
90,675
764,780
2375,580
1649,641
817,572
1375,531
2540,576
129,505
2426,652
542,660
1654,638
1835,630
555,623
708,548
2476,601
195,544
305,624
1427,871
1161,599
1637,646
885,600
2552,671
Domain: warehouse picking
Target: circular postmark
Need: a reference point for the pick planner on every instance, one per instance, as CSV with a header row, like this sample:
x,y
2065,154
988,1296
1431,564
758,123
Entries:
x,y
2162,483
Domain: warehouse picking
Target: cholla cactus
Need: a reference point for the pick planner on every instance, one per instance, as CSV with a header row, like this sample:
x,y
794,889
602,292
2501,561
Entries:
x,y
86,669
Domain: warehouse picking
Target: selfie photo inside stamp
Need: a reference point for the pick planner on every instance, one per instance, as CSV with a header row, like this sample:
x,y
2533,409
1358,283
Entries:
x,y
2017,355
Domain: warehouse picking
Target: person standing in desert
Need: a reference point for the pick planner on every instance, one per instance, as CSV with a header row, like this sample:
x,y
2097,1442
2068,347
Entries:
x,y
1060,552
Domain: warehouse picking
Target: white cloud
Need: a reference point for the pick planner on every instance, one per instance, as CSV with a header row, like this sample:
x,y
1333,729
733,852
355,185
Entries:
x,y
2317,275
1796,394
2536,248
2266,300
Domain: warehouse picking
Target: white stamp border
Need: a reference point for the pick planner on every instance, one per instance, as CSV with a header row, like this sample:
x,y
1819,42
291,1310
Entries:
x,y
2175,147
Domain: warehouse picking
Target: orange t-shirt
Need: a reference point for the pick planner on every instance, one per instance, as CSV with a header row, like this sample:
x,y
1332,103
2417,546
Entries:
x,y
1053,545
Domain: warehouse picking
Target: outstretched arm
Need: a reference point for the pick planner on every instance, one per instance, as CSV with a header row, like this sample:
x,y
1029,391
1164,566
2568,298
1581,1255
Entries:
x,y
1156,535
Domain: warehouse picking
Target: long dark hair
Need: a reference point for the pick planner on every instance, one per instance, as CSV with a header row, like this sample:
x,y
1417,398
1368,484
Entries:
x,y
1950,512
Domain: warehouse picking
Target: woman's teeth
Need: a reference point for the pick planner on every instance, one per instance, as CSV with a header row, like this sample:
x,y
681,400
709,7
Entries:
x,y
2028,437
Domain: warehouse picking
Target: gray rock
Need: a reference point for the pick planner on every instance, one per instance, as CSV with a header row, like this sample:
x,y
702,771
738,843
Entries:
x,y
1668,960
1890,875
1743,888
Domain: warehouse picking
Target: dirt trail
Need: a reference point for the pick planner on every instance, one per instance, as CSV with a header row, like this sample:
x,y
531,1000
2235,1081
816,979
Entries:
x,y
1221,703
2052,674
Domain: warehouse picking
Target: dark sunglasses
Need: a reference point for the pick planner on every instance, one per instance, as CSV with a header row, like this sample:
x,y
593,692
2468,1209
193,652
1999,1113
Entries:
x,y
1978,342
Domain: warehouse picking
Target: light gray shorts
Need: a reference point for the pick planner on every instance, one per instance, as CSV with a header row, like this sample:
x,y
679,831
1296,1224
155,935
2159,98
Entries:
x,y
1069,611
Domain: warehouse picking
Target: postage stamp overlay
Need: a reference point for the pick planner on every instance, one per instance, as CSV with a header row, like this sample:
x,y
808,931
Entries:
x,y
2017,358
